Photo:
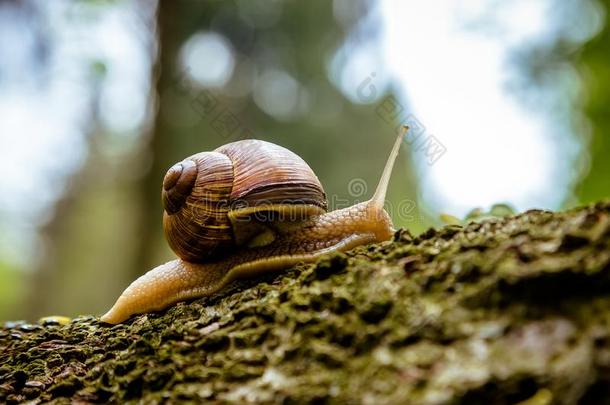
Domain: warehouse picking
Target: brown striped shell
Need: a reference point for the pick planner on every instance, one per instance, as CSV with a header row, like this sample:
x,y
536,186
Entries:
x,y
217,201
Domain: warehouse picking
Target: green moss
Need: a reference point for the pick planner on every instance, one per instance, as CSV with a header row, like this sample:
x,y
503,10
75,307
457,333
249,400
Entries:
x,y
504,310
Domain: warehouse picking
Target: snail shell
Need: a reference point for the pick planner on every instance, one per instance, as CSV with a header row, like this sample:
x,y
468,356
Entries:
x,y
238,194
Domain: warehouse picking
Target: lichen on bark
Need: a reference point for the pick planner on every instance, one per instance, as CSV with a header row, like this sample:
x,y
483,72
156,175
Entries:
x,y
506,310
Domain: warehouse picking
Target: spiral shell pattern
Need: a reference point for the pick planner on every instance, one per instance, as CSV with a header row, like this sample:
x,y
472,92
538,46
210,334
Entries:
x,y
195,220
198,193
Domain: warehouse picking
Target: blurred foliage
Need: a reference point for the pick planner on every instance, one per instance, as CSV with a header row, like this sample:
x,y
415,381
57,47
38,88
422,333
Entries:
x,y
12,292
595,66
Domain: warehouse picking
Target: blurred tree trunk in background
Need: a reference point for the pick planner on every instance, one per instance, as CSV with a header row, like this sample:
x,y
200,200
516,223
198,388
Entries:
x,y
160,145
176,21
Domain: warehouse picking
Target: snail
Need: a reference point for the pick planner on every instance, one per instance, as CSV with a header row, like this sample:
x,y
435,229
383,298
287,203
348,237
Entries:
x,y
247,208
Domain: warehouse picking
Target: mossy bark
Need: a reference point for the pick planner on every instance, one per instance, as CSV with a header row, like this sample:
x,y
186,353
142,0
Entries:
x,y
506,310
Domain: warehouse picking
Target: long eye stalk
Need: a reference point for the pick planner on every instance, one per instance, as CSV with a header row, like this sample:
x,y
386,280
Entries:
x,y
378,198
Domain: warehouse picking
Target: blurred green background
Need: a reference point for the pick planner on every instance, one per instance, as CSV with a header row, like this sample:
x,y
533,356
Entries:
x,y
508,101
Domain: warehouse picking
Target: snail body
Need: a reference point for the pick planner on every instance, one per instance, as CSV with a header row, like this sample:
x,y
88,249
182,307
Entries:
x,y
245,209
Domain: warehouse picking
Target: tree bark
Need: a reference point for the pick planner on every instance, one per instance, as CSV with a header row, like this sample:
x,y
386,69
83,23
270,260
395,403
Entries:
x,y
501,311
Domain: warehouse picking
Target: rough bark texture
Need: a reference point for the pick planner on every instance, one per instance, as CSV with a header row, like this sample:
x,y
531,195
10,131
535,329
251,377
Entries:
x,y
506,310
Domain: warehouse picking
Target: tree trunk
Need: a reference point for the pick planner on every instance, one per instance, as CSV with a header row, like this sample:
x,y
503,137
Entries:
x,y
505,310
